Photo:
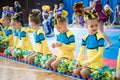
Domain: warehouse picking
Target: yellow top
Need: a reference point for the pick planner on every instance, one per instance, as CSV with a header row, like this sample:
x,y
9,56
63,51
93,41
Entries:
x,y
68,44
23,40
1,30
118,61
41,43
8,34
95,48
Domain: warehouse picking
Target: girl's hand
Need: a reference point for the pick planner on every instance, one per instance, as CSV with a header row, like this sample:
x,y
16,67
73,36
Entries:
x,y
53,45
58,44
77,65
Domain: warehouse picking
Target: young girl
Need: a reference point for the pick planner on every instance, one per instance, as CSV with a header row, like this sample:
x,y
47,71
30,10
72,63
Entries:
x,y
94,42
8,30
65,43
39,35
97,5
23,41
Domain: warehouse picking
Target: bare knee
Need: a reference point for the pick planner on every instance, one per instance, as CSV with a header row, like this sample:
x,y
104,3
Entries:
x,y
49,61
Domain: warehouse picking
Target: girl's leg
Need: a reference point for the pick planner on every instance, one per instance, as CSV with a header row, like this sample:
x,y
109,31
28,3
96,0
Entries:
x,y
49,61
113,21
26,58
77,69
54,64
101,29
118,75
32,57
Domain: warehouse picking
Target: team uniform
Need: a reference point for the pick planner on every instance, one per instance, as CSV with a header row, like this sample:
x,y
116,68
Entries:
x,y
22,39
95,47
8,35
68,44
40,41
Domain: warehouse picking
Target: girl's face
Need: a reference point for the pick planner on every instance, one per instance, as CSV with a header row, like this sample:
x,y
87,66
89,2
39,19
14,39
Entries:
x,y
15,24
61,27
5,22
92,26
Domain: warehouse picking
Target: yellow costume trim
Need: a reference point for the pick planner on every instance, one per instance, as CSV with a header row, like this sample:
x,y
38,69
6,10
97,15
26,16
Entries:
x,y
1,20
118,61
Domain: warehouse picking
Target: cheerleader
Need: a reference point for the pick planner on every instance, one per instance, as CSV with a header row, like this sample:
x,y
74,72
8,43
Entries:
x,y
65,43
97,5
39,37
23,42
94,42
8,30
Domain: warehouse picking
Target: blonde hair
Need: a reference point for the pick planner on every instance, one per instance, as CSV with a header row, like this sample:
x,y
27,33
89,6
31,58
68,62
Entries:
x,y
59,19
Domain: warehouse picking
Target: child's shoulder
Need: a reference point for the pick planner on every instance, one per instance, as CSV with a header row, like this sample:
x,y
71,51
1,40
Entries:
x,y
23,29
99,36
10,28
69,33
85,36
40,31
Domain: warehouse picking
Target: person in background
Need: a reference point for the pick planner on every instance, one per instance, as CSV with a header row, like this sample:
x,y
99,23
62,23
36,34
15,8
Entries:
x,y
108,12
55,9
18,10
116,14
4,11
12,11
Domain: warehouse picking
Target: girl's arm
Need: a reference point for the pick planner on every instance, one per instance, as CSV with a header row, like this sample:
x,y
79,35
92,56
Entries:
x,y
81,53
16,41
45,47
70,46
10,36
7,39
118,61
91,7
